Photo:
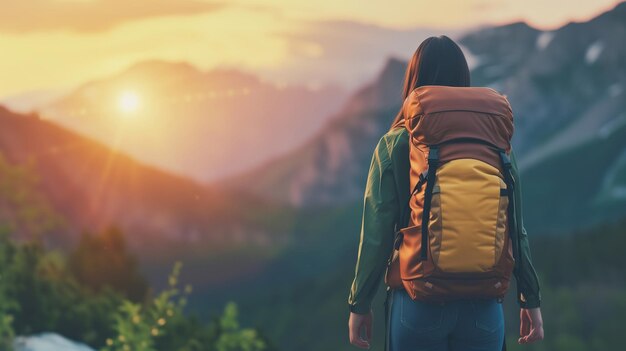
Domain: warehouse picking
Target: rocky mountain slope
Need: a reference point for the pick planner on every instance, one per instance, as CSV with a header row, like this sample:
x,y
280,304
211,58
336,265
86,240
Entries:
x,y
331,167
164,216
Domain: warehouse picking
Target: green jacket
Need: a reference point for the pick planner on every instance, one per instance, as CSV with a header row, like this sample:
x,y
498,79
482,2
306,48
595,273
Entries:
x,y
386,194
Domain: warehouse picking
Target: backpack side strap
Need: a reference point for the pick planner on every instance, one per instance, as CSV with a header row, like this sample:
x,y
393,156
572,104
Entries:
x,y
433,163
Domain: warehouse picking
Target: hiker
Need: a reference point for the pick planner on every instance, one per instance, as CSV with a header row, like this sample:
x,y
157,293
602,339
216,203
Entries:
x,y
442,217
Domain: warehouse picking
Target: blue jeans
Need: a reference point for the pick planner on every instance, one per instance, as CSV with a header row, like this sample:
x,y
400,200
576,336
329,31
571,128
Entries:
x,y
464,325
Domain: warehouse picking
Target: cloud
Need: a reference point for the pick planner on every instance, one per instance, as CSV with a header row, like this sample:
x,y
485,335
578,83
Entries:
x,y
343,51
91,15
482,6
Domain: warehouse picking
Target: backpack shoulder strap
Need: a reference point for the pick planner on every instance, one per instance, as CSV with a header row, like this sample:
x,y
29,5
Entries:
x,y
510,191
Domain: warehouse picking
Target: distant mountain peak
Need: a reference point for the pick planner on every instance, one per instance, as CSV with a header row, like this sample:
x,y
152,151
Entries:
x,y
616,13
519,29
7,111
185,70
382,91
156,65
392,66
206,99
519,25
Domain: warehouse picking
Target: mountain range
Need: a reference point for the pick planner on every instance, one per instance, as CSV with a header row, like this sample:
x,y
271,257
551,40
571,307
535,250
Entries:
x,y
206,125
566,88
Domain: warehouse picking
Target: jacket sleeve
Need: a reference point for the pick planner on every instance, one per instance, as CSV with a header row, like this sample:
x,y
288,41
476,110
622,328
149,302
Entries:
x,y
380,209
528,294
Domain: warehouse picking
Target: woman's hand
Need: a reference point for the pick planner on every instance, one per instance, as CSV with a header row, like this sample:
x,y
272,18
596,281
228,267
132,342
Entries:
x,y
531,326
355,324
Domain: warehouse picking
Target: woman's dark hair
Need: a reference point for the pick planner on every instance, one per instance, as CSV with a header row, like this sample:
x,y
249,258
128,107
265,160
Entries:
x,y
437,61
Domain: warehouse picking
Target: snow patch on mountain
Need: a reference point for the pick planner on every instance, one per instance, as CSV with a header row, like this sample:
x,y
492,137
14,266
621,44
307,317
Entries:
x,y
580,132
593,52
544,39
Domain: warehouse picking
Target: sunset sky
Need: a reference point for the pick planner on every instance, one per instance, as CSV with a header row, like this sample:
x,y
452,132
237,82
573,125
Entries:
x,y
56,44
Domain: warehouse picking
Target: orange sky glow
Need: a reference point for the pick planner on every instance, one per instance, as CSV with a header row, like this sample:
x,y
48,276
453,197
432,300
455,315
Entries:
x,y
51,44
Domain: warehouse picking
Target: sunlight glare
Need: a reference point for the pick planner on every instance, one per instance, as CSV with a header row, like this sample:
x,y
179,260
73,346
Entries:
x,y
128,101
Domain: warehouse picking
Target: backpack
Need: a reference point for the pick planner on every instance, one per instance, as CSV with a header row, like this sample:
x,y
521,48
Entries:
x,y
457,240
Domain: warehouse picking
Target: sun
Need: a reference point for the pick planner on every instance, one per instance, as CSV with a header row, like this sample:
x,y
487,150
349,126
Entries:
x,y
128,101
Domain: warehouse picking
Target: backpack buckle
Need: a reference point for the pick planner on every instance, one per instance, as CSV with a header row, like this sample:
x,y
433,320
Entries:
x,y
420,183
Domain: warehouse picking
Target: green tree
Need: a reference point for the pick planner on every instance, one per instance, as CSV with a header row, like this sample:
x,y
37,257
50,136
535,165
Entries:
x,y
7,305
103,260
23,209
232,337
156,326
138,326
37,293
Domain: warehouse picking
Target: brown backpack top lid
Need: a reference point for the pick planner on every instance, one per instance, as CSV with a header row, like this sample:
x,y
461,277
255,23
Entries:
x,y
437,114
437,98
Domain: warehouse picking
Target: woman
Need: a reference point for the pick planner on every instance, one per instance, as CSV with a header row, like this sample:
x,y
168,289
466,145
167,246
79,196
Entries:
x,y
458,325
